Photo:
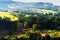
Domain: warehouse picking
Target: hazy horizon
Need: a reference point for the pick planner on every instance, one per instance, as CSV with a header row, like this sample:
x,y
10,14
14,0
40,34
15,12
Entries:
x,y
55,2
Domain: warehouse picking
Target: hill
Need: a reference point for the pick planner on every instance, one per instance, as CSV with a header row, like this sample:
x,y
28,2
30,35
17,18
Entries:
x,y
7,15
6,5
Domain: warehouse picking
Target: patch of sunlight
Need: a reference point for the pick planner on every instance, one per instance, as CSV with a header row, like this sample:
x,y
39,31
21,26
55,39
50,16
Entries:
x,y
52,35
25,36
49,11
44,11
27,15
43,34
4,15
58,34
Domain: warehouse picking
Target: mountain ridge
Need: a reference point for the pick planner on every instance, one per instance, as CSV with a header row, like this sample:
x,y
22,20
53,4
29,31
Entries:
x,y
22,5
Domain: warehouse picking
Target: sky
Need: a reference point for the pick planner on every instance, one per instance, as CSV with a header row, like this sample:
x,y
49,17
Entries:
x,y
55,2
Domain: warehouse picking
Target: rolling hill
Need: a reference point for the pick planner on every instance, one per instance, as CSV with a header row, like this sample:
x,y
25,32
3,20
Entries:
x,y
7,15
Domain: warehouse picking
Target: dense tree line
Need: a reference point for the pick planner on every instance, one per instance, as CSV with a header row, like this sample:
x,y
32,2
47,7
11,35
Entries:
x,y
7,25
36,21
42,21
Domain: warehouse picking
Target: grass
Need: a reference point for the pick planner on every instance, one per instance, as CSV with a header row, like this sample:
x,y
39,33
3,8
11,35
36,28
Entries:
x,y
44,11
4,15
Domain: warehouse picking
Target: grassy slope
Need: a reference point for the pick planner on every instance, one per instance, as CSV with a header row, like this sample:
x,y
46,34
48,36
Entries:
x,y
4,15
43,11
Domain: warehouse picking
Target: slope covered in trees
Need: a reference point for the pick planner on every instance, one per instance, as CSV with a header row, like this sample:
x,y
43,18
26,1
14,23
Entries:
x,y
17,22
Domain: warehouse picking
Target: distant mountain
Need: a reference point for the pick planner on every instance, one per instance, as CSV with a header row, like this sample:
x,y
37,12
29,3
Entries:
x,y
6,5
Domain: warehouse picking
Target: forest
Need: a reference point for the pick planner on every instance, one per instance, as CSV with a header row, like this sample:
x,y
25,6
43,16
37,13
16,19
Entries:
x,y
18,25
